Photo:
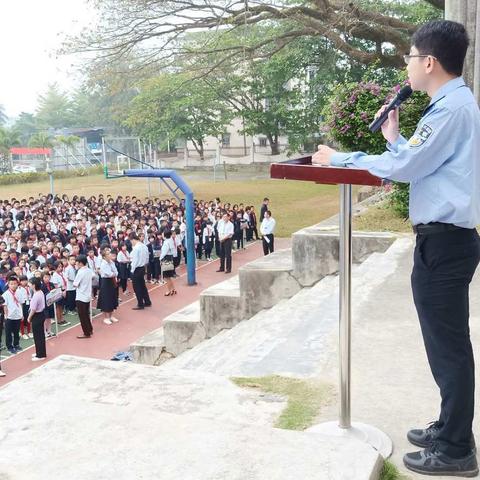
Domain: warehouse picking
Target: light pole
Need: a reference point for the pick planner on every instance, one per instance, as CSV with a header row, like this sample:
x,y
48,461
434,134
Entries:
x,y
50,173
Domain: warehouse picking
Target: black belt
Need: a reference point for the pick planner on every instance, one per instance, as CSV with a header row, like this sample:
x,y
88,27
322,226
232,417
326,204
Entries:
x,y
434,227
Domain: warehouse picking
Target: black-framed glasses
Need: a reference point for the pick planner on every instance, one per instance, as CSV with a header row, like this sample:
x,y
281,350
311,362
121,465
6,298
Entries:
x,y
406,58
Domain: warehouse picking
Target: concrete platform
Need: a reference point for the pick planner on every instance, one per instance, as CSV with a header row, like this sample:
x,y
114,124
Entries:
x,y
84,418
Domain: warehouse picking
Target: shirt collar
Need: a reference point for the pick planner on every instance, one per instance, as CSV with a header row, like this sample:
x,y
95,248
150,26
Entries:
x,y
447,88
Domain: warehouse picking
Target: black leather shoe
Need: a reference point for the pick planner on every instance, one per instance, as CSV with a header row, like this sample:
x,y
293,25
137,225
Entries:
x,y
426,437
220,270
148,305
432,462
137,308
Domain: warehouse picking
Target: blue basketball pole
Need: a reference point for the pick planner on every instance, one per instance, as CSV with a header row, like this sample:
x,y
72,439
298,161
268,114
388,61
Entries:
x,y
189,211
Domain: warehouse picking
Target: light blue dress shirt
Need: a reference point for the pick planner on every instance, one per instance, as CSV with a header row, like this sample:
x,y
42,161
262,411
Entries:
x,y
441,161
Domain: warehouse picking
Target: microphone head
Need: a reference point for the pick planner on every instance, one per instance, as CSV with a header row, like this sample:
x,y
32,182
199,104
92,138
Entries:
x,y
405,93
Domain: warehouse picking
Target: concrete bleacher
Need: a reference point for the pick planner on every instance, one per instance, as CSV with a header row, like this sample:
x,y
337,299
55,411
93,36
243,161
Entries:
x,y
260,285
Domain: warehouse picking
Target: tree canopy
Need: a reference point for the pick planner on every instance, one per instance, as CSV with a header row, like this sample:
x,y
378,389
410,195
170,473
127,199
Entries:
x,y
151,32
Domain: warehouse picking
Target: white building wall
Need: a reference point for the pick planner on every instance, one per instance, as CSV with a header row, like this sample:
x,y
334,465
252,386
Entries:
x,y
237,140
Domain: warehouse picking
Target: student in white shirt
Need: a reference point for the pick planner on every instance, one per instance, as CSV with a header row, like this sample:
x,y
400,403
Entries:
x,y
24,295
225,234
93,262
124,260
83,295
167,262
13,316
59,280
140,258
70,273
266,229
208,239
108,296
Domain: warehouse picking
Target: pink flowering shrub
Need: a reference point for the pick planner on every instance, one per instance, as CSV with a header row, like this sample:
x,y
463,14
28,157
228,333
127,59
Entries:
x,y
352,107
350,111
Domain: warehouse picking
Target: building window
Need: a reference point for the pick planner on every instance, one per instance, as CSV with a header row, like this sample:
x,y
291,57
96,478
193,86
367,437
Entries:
x,y
225,139
263,141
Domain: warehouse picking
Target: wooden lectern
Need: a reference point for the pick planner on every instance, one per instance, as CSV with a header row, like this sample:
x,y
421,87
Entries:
x,y
302,169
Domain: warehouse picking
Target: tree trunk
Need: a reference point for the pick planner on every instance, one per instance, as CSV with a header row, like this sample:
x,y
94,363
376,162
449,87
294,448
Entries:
x,y
273,141
202,152
467,12
199,148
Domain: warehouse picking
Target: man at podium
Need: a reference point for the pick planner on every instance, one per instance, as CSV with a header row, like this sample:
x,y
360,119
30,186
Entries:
x,y
442,164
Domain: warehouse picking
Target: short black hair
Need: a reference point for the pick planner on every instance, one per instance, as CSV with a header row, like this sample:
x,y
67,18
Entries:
x,y
82,259
446,40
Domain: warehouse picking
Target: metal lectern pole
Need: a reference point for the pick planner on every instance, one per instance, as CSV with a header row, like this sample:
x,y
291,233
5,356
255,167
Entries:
x,y
344,427
345,267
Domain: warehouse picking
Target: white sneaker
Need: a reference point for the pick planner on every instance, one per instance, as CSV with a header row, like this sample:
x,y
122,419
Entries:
x,y
2,373
106,321
25,336
114,320
37,359
30,335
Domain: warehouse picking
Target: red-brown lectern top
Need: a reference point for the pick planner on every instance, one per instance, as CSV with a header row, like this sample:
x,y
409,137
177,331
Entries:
x,y
303,169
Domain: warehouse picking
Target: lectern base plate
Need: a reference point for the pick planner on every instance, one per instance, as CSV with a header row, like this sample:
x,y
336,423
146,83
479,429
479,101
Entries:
x,y
360,431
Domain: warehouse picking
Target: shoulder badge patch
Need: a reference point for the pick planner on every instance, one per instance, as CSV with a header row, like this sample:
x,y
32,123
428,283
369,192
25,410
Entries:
x,y
420,137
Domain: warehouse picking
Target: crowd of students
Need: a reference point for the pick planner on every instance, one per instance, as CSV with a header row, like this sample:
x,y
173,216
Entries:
x,y
46,241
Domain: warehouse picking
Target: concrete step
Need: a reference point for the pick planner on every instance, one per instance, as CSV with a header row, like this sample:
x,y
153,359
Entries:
x,y
297,337
150,349
315,251
180,331
221,306
183,329
158,424
267,280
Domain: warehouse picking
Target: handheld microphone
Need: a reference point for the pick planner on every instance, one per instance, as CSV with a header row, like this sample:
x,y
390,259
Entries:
x,y
402,95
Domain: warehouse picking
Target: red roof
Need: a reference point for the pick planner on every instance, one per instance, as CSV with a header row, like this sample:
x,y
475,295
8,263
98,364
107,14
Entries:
x,y
30,151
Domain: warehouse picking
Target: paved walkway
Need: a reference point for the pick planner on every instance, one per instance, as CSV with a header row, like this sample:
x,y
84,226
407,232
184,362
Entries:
x,y
109,339
392,387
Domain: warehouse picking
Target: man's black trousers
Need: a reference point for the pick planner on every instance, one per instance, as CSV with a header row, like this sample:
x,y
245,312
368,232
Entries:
x,y
139,287
83,310
226,254
268,246
444,264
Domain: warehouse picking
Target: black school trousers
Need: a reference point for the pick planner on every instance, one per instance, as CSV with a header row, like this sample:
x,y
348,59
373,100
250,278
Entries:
x,y
226,255
139,287
444,264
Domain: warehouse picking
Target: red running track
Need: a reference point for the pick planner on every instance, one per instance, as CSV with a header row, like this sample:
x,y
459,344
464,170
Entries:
x,y
109,339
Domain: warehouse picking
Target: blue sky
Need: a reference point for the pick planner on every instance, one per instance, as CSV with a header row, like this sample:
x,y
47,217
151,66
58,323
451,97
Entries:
x,y
31,31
